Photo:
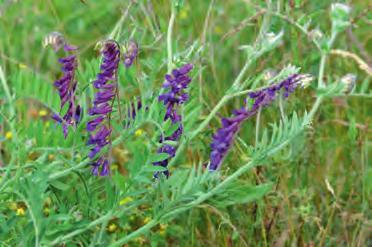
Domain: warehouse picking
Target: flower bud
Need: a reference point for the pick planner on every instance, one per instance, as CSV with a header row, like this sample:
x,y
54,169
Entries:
x,y
348,82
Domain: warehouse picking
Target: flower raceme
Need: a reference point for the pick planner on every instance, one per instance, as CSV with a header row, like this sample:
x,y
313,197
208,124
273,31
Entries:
x,y
98,127
66,84
224,137
176,83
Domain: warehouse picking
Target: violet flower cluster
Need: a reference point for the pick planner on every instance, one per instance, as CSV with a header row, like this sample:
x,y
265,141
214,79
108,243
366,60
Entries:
x,y
224,137
66,84
176,82
99,127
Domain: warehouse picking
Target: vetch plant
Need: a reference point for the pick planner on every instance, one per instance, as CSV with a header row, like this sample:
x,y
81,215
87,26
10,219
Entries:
x,y
224,136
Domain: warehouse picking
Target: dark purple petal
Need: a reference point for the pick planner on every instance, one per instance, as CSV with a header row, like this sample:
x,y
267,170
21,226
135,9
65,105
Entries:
x,y
92,124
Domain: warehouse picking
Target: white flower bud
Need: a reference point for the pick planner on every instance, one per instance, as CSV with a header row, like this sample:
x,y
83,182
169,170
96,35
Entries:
x,y
348,81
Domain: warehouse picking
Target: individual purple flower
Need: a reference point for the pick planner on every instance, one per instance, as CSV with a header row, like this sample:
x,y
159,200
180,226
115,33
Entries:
x,y
176,83
99,127
130,54
66,84
224,137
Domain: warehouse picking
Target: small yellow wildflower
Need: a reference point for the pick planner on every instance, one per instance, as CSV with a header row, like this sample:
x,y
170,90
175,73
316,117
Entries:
x,y
46,211
162,229
8,135
139,132
184,13
114,166
20,211
22,65
140,240
125,200
51,157
43,113
112,227
146,220
218,30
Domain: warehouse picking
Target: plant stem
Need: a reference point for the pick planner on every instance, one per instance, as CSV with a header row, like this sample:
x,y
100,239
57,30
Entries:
x,y
321,70
258,125
136,233
78,231
7,92
169,38
281,108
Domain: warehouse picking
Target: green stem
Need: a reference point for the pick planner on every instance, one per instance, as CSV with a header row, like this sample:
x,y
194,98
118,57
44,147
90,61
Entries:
x,y
7,92
241,74
98,221
169,38
321,70
281,108
136,233
258,125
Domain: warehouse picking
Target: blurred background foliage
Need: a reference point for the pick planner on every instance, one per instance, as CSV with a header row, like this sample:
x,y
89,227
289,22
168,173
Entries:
x,y
322,187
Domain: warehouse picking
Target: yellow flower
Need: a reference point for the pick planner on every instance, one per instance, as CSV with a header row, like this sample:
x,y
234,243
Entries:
x,y
8,135
163,226
139,132
112,227
51,157
20,211
140,240
184,13
125,200
22,65
43,113
162,229
218,30
146,220
46,211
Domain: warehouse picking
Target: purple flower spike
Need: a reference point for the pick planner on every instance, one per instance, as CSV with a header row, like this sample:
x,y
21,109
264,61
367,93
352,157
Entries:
x,y
130,54
66,84
224,137
98,127
176,83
